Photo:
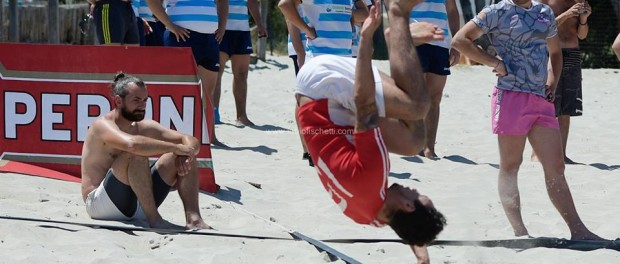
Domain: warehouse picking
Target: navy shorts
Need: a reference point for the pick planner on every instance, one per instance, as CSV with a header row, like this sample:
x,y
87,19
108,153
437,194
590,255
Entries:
x,y
115,22
204,47
125,199
236,42
434,59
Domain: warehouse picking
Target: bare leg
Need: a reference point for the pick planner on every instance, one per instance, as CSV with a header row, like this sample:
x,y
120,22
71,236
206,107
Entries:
x,y
546,142
564,121
209,80
407,102
140,180
187,188
240,67
511,155
435,84
217,92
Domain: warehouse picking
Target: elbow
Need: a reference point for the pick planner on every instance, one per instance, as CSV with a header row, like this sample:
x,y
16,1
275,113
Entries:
x,y
282,6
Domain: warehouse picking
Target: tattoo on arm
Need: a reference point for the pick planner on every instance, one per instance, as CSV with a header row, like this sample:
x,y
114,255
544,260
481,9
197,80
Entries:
x,y
367,117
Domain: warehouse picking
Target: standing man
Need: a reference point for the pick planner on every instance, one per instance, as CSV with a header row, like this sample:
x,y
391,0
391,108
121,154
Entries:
x,y
199,25
237,46
327,24
117,181
572,21
524,34
115,22
352,115
436,58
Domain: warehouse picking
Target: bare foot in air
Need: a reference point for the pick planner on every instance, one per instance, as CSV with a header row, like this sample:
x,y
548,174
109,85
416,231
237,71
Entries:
x,y
244,121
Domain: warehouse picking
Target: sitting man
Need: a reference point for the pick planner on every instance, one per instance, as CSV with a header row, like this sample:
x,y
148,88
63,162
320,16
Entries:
x,y
339,95
117,182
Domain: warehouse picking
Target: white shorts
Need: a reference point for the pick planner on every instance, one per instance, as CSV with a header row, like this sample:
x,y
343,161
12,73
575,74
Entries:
x,y
100,206
333,77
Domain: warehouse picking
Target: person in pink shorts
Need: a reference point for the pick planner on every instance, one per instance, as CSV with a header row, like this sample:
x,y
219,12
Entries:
x,y
524,33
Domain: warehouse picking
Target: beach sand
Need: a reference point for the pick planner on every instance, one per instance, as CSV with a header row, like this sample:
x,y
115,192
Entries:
x,y
462,185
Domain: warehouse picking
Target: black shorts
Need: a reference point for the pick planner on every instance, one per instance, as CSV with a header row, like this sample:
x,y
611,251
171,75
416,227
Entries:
x,y
568,93
295,64
434,59
236,42
125,199
115,22
204,47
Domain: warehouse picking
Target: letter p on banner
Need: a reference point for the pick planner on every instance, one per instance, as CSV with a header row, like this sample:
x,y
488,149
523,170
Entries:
x,y
49,95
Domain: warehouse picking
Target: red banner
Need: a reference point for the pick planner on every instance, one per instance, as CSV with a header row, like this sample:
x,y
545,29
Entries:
x,y
51,93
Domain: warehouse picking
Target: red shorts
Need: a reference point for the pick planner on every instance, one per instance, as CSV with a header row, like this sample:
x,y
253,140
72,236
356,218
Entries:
x,y
354,173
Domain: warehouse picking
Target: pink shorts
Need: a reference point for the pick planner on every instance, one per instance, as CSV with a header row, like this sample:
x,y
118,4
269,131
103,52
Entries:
x,y
515,113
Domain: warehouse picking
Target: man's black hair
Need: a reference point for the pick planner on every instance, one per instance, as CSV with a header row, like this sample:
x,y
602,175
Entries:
x,y
419,227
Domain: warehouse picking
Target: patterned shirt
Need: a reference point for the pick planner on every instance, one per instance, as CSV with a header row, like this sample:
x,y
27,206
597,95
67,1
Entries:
x,y
520,37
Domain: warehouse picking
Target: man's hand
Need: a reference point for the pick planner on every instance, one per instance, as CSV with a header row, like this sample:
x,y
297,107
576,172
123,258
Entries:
x,y
310,33
455,55
147,28
262,32
500,69
219,35
421,254
184,165
585,11
372,22
183,150
550,93
181,33
423,32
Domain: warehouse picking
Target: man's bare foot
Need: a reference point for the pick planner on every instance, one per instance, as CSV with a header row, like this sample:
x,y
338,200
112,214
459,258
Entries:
x,y
586,235
163,224
429,154
422,32
521,233
197,225
244,121
569,161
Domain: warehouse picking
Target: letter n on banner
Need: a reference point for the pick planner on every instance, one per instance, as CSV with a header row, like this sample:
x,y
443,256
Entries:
x,y
49,95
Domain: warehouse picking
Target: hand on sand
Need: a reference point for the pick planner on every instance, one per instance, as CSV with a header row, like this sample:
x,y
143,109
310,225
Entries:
x,y
423,32
372,22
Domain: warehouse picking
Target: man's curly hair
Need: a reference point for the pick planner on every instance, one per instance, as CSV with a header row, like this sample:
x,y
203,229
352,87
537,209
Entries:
x,y
419,227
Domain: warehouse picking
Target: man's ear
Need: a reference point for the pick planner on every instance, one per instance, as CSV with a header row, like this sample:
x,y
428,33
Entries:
x,y
407,206
117,100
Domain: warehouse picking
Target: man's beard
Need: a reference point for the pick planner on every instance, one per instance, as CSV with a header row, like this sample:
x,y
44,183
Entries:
x,y
135,116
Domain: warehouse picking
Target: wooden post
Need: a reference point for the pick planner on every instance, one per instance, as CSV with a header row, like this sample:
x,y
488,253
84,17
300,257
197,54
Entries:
x,y
262,42
13,21
53,36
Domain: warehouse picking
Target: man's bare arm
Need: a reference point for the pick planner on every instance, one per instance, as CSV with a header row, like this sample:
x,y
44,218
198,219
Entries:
x,y
135,144
289,10
464,42
367,115
554,67
254,9
421,253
